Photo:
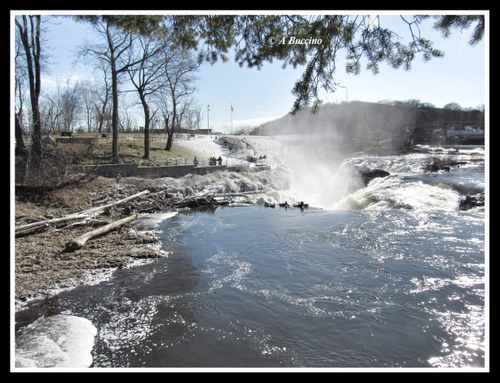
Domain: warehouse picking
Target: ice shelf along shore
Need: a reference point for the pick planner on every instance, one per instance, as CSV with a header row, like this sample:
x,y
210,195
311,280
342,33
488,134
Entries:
x,y
56,341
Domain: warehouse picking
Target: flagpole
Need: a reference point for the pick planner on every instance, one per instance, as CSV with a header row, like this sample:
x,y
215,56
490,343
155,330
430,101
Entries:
x,y
208,119
231,117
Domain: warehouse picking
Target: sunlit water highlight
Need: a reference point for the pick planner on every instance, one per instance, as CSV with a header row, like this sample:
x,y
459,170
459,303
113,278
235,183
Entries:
x,y
254,287
388,275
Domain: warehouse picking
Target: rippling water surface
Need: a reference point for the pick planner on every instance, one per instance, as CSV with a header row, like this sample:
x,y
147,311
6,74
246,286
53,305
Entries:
x,y
400,283
254,287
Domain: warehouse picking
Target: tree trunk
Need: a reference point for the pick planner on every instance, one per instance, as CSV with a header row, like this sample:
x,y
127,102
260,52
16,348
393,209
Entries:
x,y
147,120
170,132
170,140
78,243
33,62
146,139
37,122
19,137
83,214
115,117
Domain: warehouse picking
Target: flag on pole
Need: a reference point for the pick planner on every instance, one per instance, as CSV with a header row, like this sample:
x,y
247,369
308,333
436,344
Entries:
x,y
232,110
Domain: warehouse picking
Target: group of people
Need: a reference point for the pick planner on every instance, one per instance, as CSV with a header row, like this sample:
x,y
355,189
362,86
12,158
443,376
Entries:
x,y
255,159
215,161
212,162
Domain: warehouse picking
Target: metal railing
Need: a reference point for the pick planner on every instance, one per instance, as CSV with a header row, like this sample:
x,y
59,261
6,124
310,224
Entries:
x,y
204,162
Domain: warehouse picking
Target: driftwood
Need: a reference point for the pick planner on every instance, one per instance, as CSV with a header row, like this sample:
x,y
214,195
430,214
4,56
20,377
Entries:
x,y
92,222
22,229
212,199
99,209
78,243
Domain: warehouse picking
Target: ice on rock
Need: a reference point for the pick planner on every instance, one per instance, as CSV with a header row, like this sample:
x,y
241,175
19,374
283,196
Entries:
x,y
56,341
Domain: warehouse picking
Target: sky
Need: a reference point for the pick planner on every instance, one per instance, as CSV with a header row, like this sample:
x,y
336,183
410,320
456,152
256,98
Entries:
x,y
258,96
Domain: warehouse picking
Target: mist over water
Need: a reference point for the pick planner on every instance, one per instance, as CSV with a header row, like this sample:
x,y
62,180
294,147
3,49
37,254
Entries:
x,y
317,175
333,177
385,272
320,148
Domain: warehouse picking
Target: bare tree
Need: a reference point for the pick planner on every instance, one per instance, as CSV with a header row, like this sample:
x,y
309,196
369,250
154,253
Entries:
x,y
65,102
71,105
102,93
178,68
127,116
146,78
184,111
19,82
88,98
191,118
52,111
29,32
113,50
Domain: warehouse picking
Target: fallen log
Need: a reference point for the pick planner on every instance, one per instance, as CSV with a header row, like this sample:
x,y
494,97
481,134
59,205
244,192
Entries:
x,y
82,214
22,229
78,243
31,230
99,209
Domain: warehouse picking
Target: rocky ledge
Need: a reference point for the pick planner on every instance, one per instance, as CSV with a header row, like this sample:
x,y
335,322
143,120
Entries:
x,y
471,201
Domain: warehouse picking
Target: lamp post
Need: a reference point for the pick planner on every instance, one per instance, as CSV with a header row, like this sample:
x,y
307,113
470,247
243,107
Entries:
x,y
346,92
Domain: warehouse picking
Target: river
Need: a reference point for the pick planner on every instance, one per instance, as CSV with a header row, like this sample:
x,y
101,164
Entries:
x,y
388,275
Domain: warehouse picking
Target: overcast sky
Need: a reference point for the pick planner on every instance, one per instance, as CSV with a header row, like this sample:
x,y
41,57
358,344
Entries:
x,y
261,95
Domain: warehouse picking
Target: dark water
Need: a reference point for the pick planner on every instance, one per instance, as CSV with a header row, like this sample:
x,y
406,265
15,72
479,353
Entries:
x,y
397,279
261,287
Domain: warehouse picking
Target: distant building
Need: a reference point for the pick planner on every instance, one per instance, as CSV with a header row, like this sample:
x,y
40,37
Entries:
x,y
467,135
467,132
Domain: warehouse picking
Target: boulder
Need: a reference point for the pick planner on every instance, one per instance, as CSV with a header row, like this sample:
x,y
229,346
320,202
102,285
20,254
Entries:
x,y
471,201
368,175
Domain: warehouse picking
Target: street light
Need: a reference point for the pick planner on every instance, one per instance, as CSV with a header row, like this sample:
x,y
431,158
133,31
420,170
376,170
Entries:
x,y
346,91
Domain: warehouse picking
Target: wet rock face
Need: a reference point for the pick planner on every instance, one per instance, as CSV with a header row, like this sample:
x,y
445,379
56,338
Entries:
x,y
471,201
368,175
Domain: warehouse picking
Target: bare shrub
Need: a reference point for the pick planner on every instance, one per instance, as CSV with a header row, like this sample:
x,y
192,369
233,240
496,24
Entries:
x,y
51,169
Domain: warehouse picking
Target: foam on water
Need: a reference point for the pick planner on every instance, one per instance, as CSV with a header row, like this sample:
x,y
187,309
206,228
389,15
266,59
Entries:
x,y
89,278
57,341
65,340
409,185
394,193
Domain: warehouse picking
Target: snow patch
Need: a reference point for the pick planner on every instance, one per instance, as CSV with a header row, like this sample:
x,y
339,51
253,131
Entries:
x,y
56,341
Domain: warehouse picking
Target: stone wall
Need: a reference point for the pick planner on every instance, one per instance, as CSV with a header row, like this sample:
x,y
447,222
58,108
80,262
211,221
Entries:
x,y
80,140
134,170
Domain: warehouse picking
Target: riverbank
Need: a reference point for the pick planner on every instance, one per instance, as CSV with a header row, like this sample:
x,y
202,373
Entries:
x,y
41,263
403,186
40,259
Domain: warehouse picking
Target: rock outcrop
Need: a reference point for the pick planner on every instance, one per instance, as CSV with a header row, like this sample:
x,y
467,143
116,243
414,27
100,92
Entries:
x,y
368,175
471,201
